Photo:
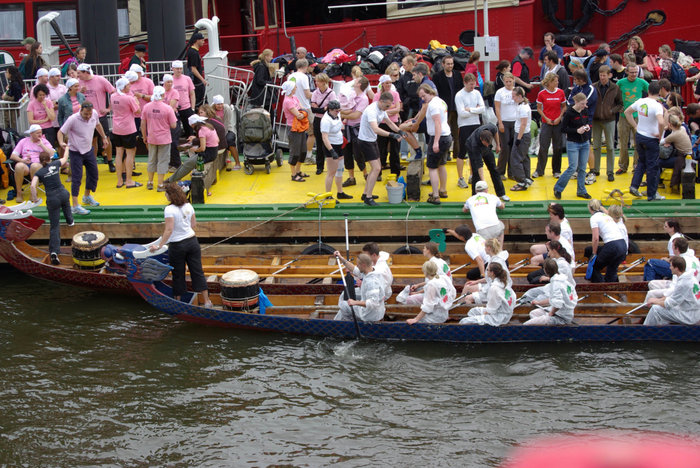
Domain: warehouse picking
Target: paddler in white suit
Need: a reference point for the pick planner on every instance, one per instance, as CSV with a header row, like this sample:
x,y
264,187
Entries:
x,y
499,304
369,306
438,296
432,253
661,288
557,307
682,305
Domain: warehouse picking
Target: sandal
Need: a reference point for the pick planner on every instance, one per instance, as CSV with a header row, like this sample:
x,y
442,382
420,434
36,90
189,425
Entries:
x,y
443,193
120,185
518,188
136,184
301,174
298,178
432,200
149,186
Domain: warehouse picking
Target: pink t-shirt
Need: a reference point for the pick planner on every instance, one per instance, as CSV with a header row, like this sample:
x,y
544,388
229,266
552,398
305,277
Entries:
x,y
210,135
26,148
143,86
158,116
319,99
124,110
56,93
80,131
39,111
394,118
76,104
184,85
172,95
220,114
353,102
96,90
289,103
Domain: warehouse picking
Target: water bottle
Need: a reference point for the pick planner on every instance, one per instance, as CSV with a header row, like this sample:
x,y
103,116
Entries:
x,y
229,164
688,179
200,163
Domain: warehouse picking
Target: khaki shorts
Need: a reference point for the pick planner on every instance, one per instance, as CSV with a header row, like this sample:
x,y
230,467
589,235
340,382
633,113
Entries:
x,y
492,232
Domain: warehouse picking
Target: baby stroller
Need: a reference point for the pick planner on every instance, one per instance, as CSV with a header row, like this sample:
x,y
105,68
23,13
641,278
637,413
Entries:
x,y
258,145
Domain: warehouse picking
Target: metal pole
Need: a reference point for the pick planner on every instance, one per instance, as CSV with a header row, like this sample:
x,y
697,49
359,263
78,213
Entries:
x,y
487,71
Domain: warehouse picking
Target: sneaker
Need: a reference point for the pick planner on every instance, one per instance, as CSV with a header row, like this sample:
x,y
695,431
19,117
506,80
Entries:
x,y
404,156
425,182
503,177
657,197
529,181
535,175
556,175
635,192
585,196
319,171
557,195
90,201
310,160
111,166
505,198
620,172
461,183
574,176
71,224
54,259
344,196
374,197
369,202
611,177
419,155
349,182
590,178
643,184
79,210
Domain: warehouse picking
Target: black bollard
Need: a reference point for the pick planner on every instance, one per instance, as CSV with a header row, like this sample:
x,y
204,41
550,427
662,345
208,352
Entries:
x,y
197,187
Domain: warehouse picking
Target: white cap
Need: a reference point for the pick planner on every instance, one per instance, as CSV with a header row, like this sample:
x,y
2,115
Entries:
x,y
384,79
42,72
131,76
54,72
195,119
70,82
167,77
136,68
33,128
217,99
481,186
288,86
177,64
121,84
158,93
84,67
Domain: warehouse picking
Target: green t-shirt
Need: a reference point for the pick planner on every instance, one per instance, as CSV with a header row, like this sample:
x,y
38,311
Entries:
x,y
631,91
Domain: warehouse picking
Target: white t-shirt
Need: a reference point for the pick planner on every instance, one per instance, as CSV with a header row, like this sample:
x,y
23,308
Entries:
x,y
569,248
370,114
648,109
476,247
623,230
182,216
670,242
334,129
607,227
482,207
437,106
508,106
566,231
302,82
474,102
523,111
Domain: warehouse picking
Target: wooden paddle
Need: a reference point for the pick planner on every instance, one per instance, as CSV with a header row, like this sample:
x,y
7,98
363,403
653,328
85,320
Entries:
x,y
349,296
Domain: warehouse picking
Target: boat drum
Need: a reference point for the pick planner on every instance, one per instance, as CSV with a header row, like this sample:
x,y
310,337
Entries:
x,y
87,247
240,290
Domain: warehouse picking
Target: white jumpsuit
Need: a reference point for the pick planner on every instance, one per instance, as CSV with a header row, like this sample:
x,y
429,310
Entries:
x,y
681,306
481,295
499,307
438,296
562,296
661,288
372,292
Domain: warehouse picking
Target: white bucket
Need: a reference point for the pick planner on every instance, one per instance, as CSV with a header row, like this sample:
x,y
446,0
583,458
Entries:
x,y
395,194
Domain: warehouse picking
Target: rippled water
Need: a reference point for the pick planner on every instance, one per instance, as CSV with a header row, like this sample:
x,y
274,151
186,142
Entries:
x,y
90,379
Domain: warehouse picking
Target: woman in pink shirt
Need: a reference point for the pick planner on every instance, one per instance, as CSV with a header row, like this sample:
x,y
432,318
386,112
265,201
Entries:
x,y
185,87
125,107
208,147
26,157
172,97
40,111
157,119
388,144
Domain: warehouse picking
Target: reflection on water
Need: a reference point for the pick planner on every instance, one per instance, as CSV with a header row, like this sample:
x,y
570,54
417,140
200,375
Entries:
x,y
104,380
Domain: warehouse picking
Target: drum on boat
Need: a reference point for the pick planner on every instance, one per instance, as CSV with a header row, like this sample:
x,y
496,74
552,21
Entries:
x,y
87,247
240,290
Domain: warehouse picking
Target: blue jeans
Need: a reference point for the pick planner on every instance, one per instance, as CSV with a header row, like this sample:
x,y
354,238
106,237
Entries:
x,y
578,158
648,150
656,269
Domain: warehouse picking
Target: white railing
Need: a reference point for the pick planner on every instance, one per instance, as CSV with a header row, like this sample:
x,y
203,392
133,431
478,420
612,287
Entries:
x,y
14,114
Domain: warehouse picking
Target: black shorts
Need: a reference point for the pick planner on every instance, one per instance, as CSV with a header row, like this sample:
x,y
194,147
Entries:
x,y
104,121
438,159
209,154
369,149
230,139
124,141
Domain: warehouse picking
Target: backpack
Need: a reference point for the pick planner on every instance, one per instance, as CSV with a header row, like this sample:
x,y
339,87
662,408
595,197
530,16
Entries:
x,y
256,126
678,75
124,65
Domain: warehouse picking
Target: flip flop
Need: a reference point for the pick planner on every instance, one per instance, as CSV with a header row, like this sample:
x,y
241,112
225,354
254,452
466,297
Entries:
x,y
301,174
136,184
120,185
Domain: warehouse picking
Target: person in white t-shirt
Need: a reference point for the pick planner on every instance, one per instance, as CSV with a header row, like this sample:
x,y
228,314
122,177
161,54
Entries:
x,y
482,206
373,115
649,131
303,93
439,141
613,252
469,106
505,109
475,246
332,148
519,157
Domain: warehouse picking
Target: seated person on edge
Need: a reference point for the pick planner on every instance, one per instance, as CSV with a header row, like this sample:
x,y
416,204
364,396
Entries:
x,y
369,305
26,156
438,296
479,289
560,299
431,252
682,305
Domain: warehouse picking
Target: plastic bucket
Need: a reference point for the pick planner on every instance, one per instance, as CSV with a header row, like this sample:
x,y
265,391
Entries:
x,y
395,194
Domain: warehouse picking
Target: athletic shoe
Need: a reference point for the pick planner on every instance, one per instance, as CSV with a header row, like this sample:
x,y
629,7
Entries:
x,y
319,171
620,172
635,192
172,169
657,197
505,198
529,181
535,175
574,176
611,177
349,182
90,201
503,177
111,166
374,197
71,224
556,175
590,178
54,259
419,155
344,196
461,183
79,210
425,182
585,196
369,202
557,195
310,160
404,156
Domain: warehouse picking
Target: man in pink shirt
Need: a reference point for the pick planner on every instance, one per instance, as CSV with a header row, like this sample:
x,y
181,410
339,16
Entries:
x,y
80,128
56,91
352,103
96,89
157,119
141,88
124,110
185,88
172,97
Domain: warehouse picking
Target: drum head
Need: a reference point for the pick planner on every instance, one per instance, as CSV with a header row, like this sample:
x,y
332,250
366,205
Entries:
x,y
89,239
240,277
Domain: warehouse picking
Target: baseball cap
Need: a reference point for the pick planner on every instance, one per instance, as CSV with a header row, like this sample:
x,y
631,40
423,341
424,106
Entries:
x,y
217,99
42,72
140,48
481,186
197,36
288,86
195,119
28,40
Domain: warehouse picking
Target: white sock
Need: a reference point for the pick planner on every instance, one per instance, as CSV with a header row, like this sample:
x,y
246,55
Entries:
x,y
309,153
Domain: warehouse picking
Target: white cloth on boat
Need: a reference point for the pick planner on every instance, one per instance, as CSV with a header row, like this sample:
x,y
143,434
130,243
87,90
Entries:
x,y
438,296
681,306
562,296
498,310
371,291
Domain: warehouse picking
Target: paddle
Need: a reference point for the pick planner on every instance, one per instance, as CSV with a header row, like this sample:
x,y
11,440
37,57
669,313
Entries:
x,y
284,267
348,296
347,238
627,313
633,264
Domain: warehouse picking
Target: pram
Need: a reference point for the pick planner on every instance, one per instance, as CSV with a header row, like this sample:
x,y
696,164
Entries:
x,y
258,144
